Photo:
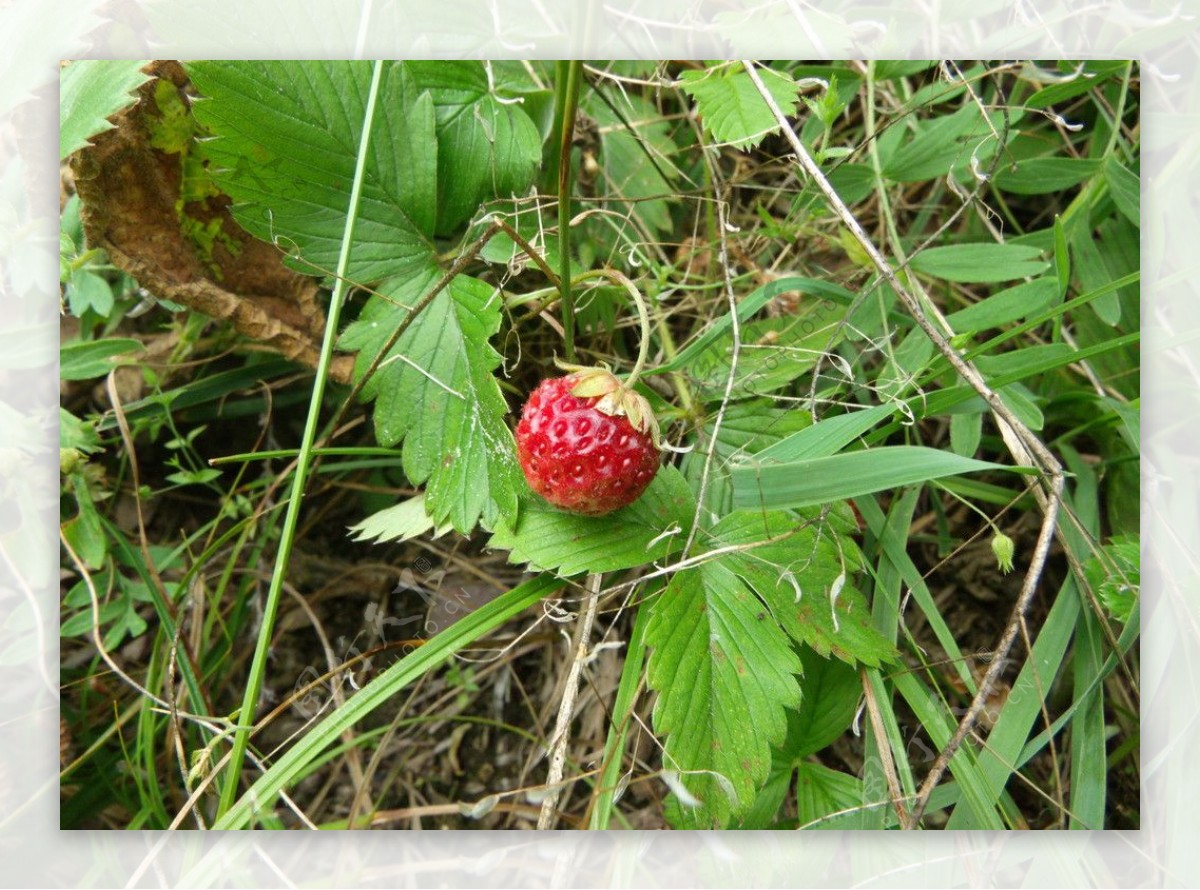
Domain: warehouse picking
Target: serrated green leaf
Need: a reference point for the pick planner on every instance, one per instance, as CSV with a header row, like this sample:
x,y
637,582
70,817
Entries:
x,y
76,433
400,522
88,359
823,480
436,392
653,526
1115,575
980,262
88,291
731,106
91,92
194,477
725,674
285,144
803,575
488,147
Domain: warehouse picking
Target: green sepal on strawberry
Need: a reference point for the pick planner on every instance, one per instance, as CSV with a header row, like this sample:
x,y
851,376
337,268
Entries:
x,y
587,443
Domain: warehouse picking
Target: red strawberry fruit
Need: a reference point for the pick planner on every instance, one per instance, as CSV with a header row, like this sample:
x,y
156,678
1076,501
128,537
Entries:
x,y
587,443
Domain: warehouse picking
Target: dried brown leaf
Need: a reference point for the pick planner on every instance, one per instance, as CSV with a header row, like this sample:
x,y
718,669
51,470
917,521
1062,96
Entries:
x,y
129,191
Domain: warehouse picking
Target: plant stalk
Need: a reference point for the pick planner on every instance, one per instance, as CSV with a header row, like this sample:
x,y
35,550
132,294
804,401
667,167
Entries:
x,y
571,75
245,717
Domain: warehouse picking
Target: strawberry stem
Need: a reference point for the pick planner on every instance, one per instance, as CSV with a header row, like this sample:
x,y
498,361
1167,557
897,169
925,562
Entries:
x,y
643,317
569,76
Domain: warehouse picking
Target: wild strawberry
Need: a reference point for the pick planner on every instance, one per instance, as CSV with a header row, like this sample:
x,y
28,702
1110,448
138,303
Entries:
x,y
587,443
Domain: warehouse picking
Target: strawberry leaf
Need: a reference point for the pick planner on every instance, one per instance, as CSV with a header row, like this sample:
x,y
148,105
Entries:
x,y
732,108
804,575
435,390
725,674
723,664
489,146
653,526
92,91
285,148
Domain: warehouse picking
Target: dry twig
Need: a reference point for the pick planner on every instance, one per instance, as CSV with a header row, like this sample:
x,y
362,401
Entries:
x,y
566,709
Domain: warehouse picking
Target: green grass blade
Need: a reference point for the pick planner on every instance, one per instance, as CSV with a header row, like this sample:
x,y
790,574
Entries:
x,y
258,663
1007,739
827,437
1089,755
746,308
437,650
614,746
940,726
823,480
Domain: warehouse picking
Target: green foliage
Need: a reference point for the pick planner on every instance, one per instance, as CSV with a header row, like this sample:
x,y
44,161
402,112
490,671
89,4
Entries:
x,y
652,527
635,174
435,391
95,358
979,262
802,568
488,146
285,140
724,623
731,106
1115,574
846,507
92,91
725,674
962,142
820,480
403,521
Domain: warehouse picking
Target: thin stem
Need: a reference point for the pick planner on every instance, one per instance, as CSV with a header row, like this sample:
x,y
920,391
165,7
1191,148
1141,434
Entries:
x,y
245,718
566,708
643,317
565,115
677,379
1119,111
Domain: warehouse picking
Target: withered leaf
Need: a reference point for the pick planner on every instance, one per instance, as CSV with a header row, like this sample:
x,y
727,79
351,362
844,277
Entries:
x,y
131,207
